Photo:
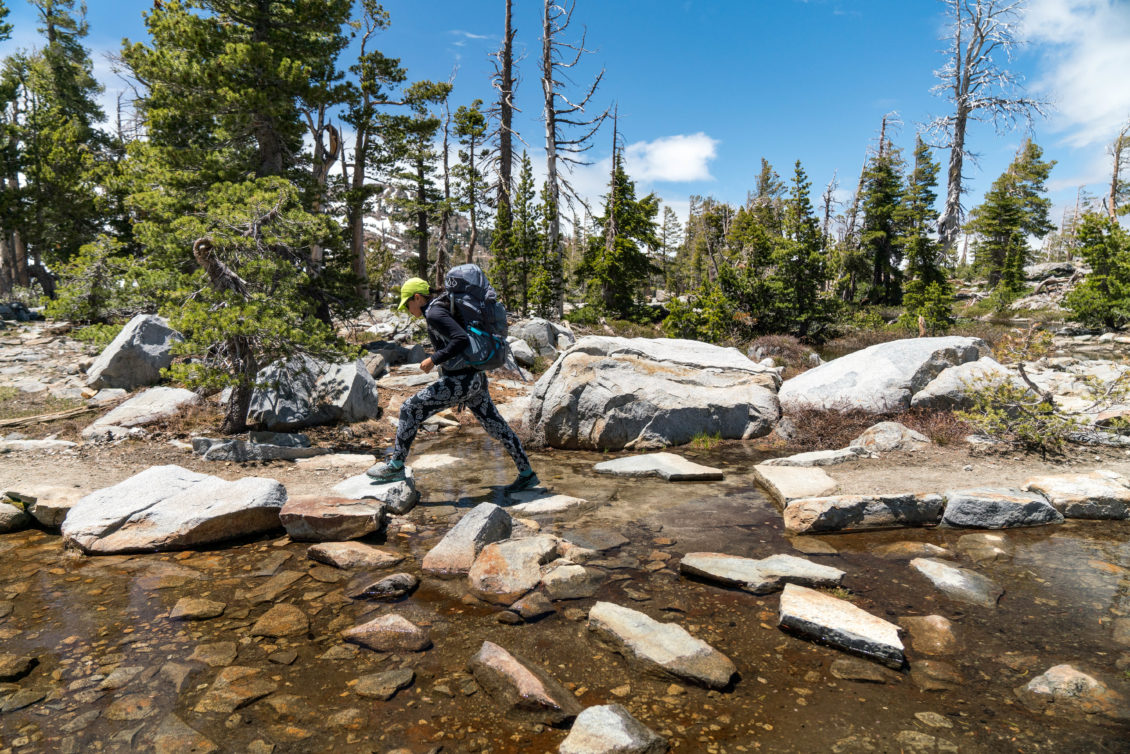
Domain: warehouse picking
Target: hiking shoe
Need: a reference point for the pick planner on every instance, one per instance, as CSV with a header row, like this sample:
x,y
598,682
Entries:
x,y
525,481
387,471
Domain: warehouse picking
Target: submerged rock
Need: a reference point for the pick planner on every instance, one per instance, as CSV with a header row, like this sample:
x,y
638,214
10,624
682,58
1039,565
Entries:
x,y
931,634
667,466
843,625
523,690
1065,690
235,687
610,729
958,583
614,393
759,576
383,686
662,648
170,508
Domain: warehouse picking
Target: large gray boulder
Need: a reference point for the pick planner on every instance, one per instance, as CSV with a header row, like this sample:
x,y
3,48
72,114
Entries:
x,y
985,508
615,393
950,389
541,335
882,378
304,392
170,508
136,357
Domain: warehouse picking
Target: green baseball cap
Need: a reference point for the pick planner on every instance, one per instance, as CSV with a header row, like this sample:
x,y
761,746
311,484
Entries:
x,y
410,288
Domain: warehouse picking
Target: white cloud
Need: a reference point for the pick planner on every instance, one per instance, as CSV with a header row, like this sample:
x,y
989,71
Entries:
x,y
682,157
1085,63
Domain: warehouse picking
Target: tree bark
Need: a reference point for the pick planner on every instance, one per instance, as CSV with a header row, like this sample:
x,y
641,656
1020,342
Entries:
x,y
553,237
506,113
421,220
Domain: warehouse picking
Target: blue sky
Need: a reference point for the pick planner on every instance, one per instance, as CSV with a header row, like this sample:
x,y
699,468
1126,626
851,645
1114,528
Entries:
x,y
705,89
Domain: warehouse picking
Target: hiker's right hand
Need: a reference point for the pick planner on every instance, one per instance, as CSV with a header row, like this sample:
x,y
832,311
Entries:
x,y
427,365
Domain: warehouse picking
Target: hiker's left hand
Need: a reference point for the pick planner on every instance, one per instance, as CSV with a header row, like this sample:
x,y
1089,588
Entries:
x,y
427,365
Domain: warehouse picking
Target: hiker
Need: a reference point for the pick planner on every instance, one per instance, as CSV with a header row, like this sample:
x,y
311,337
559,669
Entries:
x,y
459,385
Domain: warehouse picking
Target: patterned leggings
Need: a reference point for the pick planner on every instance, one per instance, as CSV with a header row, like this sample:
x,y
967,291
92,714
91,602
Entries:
x,y
451,390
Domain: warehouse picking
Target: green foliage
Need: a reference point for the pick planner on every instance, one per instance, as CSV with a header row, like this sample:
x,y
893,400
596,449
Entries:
x,y
1103,298
615,265
881,235
706,440
97,335
260,231
103,282
518,245
1014,209
706,315
586,316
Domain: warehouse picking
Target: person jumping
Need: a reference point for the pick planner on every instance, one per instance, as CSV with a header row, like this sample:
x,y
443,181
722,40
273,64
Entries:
x,y
459,384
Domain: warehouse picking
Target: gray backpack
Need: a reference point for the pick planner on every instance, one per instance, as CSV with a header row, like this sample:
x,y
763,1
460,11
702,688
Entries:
x,y
474,302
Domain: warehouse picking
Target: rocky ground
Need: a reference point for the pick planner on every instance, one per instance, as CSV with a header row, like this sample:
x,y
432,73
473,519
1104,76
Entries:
x,y
103,653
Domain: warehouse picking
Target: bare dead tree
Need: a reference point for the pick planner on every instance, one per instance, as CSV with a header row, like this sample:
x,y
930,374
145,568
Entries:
x,y
445,211
1120,154
982,37
562,116
505,82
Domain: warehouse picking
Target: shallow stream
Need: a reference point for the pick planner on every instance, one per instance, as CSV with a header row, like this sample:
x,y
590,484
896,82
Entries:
x,y
92,619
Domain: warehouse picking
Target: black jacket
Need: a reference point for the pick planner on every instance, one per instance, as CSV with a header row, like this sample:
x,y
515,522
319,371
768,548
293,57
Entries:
x,y
447,336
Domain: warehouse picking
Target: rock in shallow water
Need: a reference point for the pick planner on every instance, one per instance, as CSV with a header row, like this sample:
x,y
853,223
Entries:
x,y
667,466
317,518
839,623
235,687
787,483
387,589
191,608
1065,690
523,690
389,633
170,508
399,497
661,648
349,555
861,512
759,576
959,583
384,685
506,570
610,729
281,620
456,552
985,508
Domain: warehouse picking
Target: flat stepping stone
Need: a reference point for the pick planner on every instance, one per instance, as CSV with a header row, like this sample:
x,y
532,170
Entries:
x,y
661,648
787,483
318,518
235,687
437,461
668,466
841,624
608,729
281,620
400,497
818,458
387,589
1097,495
817,515
349,555
539,504
985,508
958,583
171,508
759,576
523,690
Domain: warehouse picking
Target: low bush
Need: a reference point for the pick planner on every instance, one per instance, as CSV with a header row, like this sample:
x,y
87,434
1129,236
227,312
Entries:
x,y
786,350
831,429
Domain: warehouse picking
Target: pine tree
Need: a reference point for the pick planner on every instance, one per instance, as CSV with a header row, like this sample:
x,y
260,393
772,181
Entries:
x,y
670,243
1014,209
796,284
1103,298
880,235
471,129
767,201
616,265
927,292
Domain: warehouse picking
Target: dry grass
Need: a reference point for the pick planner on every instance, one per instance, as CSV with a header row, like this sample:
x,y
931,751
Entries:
x,y
858,340
826,429
786,350
203,418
